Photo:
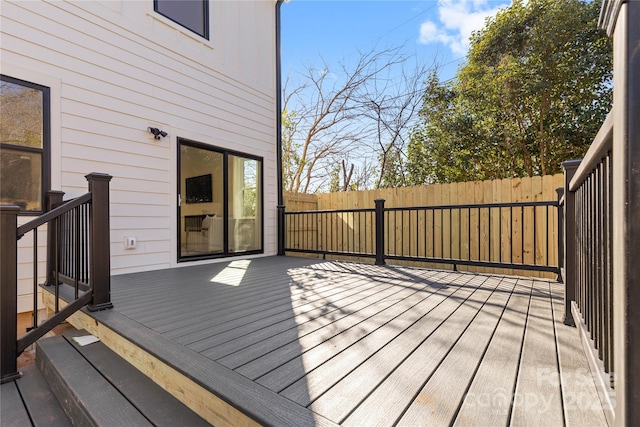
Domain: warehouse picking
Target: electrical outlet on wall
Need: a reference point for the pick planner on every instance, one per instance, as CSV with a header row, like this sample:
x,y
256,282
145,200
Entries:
x,y
130,242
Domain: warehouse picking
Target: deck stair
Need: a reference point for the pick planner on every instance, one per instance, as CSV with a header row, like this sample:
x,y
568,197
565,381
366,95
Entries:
x,y
93,384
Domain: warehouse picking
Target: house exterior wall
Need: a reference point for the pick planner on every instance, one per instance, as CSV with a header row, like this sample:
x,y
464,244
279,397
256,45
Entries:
x,y
114,69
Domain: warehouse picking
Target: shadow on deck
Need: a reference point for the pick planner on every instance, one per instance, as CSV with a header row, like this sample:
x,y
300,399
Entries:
x,y
290,341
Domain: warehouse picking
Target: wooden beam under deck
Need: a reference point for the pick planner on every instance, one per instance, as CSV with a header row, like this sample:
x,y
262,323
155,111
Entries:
x,y
289,341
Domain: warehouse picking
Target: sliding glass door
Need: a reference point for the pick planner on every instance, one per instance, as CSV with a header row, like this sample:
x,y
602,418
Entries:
x,y
219,202
245,204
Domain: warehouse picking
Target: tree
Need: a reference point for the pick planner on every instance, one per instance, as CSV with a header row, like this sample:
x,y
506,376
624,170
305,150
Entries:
x,y
21,118
324,111
336,124
340,177
392,108
446,146
533,93
290,158
392,168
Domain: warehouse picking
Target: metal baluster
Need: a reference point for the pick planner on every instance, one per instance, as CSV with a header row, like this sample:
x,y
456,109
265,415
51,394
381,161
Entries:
x,y
77,250
35,280
56,278
535,227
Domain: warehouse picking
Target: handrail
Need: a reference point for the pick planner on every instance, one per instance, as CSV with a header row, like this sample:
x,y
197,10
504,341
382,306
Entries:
x,y
52,214
588,253
53,321
436,207
620,184
477,206
328,211
602,144
77,253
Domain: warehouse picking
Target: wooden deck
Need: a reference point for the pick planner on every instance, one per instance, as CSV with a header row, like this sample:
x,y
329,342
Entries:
x,y
297,341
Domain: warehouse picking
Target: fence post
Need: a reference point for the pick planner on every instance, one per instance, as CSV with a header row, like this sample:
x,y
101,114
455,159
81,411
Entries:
x,y
570,246
100,262
9,294
281,230
379,231
560,232
54,199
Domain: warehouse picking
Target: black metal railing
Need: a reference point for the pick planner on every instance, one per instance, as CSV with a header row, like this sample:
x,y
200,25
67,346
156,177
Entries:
x,y
606,188
348,232
588,234
499,235
78,254
72,228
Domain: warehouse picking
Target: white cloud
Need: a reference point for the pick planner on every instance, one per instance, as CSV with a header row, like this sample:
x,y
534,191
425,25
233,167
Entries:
x,y
457,20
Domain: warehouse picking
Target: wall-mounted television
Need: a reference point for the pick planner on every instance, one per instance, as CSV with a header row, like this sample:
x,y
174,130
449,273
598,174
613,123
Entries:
x,y
199,189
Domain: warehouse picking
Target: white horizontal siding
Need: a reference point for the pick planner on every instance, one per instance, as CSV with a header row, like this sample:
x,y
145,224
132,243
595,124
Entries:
x,y
122,68
25,266
130,41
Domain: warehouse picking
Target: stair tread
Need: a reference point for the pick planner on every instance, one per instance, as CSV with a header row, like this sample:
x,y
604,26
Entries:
x,y
41,403
88,398
155,403
12,410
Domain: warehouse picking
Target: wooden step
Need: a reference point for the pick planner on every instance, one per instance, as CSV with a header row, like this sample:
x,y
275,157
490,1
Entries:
x,y
29,401
95,386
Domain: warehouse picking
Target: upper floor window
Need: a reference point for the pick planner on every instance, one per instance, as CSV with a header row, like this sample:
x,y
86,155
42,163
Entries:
x,y
24,144
191,14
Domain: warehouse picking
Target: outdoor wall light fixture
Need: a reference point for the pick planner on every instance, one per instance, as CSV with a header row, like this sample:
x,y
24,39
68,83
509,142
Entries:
x,y
157,133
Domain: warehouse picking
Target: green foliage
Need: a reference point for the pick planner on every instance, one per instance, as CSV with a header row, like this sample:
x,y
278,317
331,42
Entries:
x,y
250,202
533,93
290,157
334,179
392,174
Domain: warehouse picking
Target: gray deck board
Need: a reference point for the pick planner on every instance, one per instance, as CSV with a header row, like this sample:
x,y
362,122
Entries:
x,y
488,399
153,402
274,369
537,398
284,375
390,399
319,380
358,384
242,349
245,321
358,344
40,402
12,409
278,290
581,403
211,298
140,290
261,404
437,403
305,326
84,391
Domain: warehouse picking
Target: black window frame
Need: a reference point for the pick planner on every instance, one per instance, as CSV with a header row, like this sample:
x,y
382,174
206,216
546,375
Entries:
x,y
45,151
205,6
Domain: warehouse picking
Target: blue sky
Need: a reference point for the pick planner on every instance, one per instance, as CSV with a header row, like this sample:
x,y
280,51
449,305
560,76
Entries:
x,y
337,29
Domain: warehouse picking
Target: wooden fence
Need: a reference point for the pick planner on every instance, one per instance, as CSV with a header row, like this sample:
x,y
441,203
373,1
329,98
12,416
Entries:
x,y
535,189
